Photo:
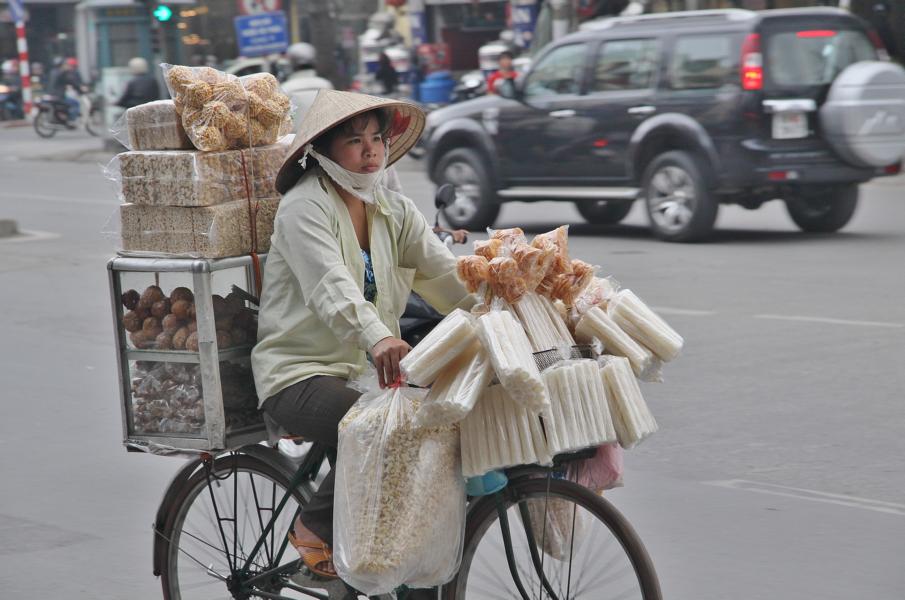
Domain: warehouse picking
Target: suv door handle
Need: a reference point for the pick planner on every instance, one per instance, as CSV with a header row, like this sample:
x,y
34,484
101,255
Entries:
x,y
562,114
642,110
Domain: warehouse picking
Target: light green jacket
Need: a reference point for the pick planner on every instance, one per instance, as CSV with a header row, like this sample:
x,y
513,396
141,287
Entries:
x,y
314,319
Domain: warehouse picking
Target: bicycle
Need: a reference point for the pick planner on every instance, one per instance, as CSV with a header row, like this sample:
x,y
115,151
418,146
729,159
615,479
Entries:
x,y
221,528
53,115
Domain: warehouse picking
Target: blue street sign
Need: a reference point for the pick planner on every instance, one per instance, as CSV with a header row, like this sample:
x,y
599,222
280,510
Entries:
x,y
262,34
15,8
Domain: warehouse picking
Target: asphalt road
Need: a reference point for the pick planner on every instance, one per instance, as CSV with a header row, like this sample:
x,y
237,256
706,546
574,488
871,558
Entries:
x,y
779,470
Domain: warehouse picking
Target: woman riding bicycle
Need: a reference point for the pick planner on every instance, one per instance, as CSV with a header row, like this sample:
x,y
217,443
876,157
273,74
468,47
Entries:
x,y
345,254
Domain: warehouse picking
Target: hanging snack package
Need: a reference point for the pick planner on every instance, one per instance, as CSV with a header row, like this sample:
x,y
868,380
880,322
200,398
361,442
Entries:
x,y
631,416
512,357
489,249
455,391
152,126
221,111
510,238
557,242
597,324
637,319
399,515
554,523
568,286
500,432
444,343
603,471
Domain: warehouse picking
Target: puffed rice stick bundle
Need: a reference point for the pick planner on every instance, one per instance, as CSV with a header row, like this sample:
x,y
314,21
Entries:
x,y
499,432
444,343
543,325
454,393
513,361
579,415
631,415
637,319
596,323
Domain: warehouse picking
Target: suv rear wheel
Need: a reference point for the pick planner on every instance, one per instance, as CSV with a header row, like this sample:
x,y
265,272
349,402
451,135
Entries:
x,y
823,210
474,207
604,212
680,205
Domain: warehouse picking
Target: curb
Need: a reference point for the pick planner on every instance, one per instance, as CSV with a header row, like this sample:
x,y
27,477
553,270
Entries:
x,y
16,123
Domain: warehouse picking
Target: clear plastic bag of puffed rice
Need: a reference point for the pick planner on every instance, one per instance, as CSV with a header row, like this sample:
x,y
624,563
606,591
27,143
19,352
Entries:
x,y
399,508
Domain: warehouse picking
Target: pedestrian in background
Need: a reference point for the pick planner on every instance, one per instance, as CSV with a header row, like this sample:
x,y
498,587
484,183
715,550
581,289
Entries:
x,y
141,88
505,71
68,77
386,74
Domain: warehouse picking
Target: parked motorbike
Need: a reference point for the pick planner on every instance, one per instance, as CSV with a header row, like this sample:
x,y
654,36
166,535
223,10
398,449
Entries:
x,y
53,115
470,85
420,317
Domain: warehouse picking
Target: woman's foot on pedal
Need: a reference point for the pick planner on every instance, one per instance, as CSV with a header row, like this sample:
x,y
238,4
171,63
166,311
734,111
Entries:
x,y
314,553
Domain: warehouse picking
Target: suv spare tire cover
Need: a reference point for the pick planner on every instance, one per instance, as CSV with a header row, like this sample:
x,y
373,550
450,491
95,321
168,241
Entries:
x,y
863,117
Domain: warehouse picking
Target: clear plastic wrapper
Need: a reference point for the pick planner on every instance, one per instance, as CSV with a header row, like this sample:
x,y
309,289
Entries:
x,y
506,280
152,126
509,237
439,348
603,471
553,523
579,416
221,111
568,286
598,293
192,178
533,263
489,249
201,232
544,326
511,354
597,324
399,509
631,415
557,242
454,393
500,432
167,398
637,319
473,271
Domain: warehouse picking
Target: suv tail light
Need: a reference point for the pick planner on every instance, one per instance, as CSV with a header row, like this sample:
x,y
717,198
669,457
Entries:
x,y
816,33
878,44
752,63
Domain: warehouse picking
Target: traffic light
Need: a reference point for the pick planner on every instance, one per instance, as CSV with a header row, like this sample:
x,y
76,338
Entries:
x,y
162,13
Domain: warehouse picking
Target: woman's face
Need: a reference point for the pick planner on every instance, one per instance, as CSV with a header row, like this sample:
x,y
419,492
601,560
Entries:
x,y
361,150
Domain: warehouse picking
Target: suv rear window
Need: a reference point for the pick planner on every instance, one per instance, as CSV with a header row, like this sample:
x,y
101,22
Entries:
x,y
814,56
702,62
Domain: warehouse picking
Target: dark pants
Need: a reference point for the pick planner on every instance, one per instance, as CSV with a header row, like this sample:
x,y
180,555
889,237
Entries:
x,y
313,409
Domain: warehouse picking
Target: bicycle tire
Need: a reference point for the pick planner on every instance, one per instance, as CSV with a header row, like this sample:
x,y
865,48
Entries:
x,y
42,125
485,513
94,122
197,486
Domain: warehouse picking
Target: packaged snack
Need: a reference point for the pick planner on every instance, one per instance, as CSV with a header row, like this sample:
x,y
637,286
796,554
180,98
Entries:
x,y
579,416
631,416
444,343
597,324
637,319
458,387
399,515
152,126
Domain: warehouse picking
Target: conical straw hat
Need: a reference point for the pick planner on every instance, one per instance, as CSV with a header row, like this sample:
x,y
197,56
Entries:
x,y
330,108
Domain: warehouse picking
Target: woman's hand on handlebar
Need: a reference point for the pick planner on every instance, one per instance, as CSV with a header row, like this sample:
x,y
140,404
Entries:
x,y
386,355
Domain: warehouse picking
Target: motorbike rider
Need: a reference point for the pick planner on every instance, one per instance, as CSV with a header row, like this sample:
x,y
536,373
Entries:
x,y
303,83
506,71
68,77
345,254
141,88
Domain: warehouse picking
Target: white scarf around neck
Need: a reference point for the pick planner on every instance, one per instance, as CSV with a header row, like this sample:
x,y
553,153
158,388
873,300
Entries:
x,y
360,185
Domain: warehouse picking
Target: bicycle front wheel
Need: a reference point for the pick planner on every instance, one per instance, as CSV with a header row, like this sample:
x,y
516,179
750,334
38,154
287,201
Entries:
x,y
218,520
546,538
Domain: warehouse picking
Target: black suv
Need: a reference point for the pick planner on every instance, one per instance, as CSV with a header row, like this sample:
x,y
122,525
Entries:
x,y
685,111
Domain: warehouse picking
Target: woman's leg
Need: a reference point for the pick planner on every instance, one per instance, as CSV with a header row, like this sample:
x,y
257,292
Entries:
x,y
313,409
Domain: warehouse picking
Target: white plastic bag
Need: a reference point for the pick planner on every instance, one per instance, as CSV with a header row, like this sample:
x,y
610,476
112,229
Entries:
x,y
399,512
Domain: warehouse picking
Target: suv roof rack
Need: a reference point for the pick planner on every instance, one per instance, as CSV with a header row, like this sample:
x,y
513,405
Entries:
x,y
726,14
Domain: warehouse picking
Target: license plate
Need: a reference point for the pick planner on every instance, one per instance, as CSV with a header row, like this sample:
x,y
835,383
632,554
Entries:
x,y
789,125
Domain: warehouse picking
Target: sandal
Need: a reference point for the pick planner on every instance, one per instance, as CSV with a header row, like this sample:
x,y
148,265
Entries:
x,y
315,555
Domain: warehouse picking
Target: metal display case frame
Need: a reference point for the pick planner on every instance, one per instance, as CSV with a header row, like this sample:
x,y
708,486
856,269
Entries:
x,y
214,435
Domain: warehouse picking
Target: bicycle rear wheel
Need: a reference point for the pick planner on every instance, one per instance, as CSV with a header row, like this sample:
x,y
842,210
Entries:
x,y
215,524
566,543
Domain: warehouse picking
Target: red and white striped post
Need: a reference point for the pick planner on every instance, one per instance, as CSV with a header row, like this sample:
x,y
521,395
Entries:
x,y
18,13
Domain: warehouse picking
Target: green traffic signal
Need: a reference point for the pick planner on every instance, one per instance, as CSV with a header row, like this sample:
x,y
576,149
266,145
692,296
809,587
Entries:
x,y
163,12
